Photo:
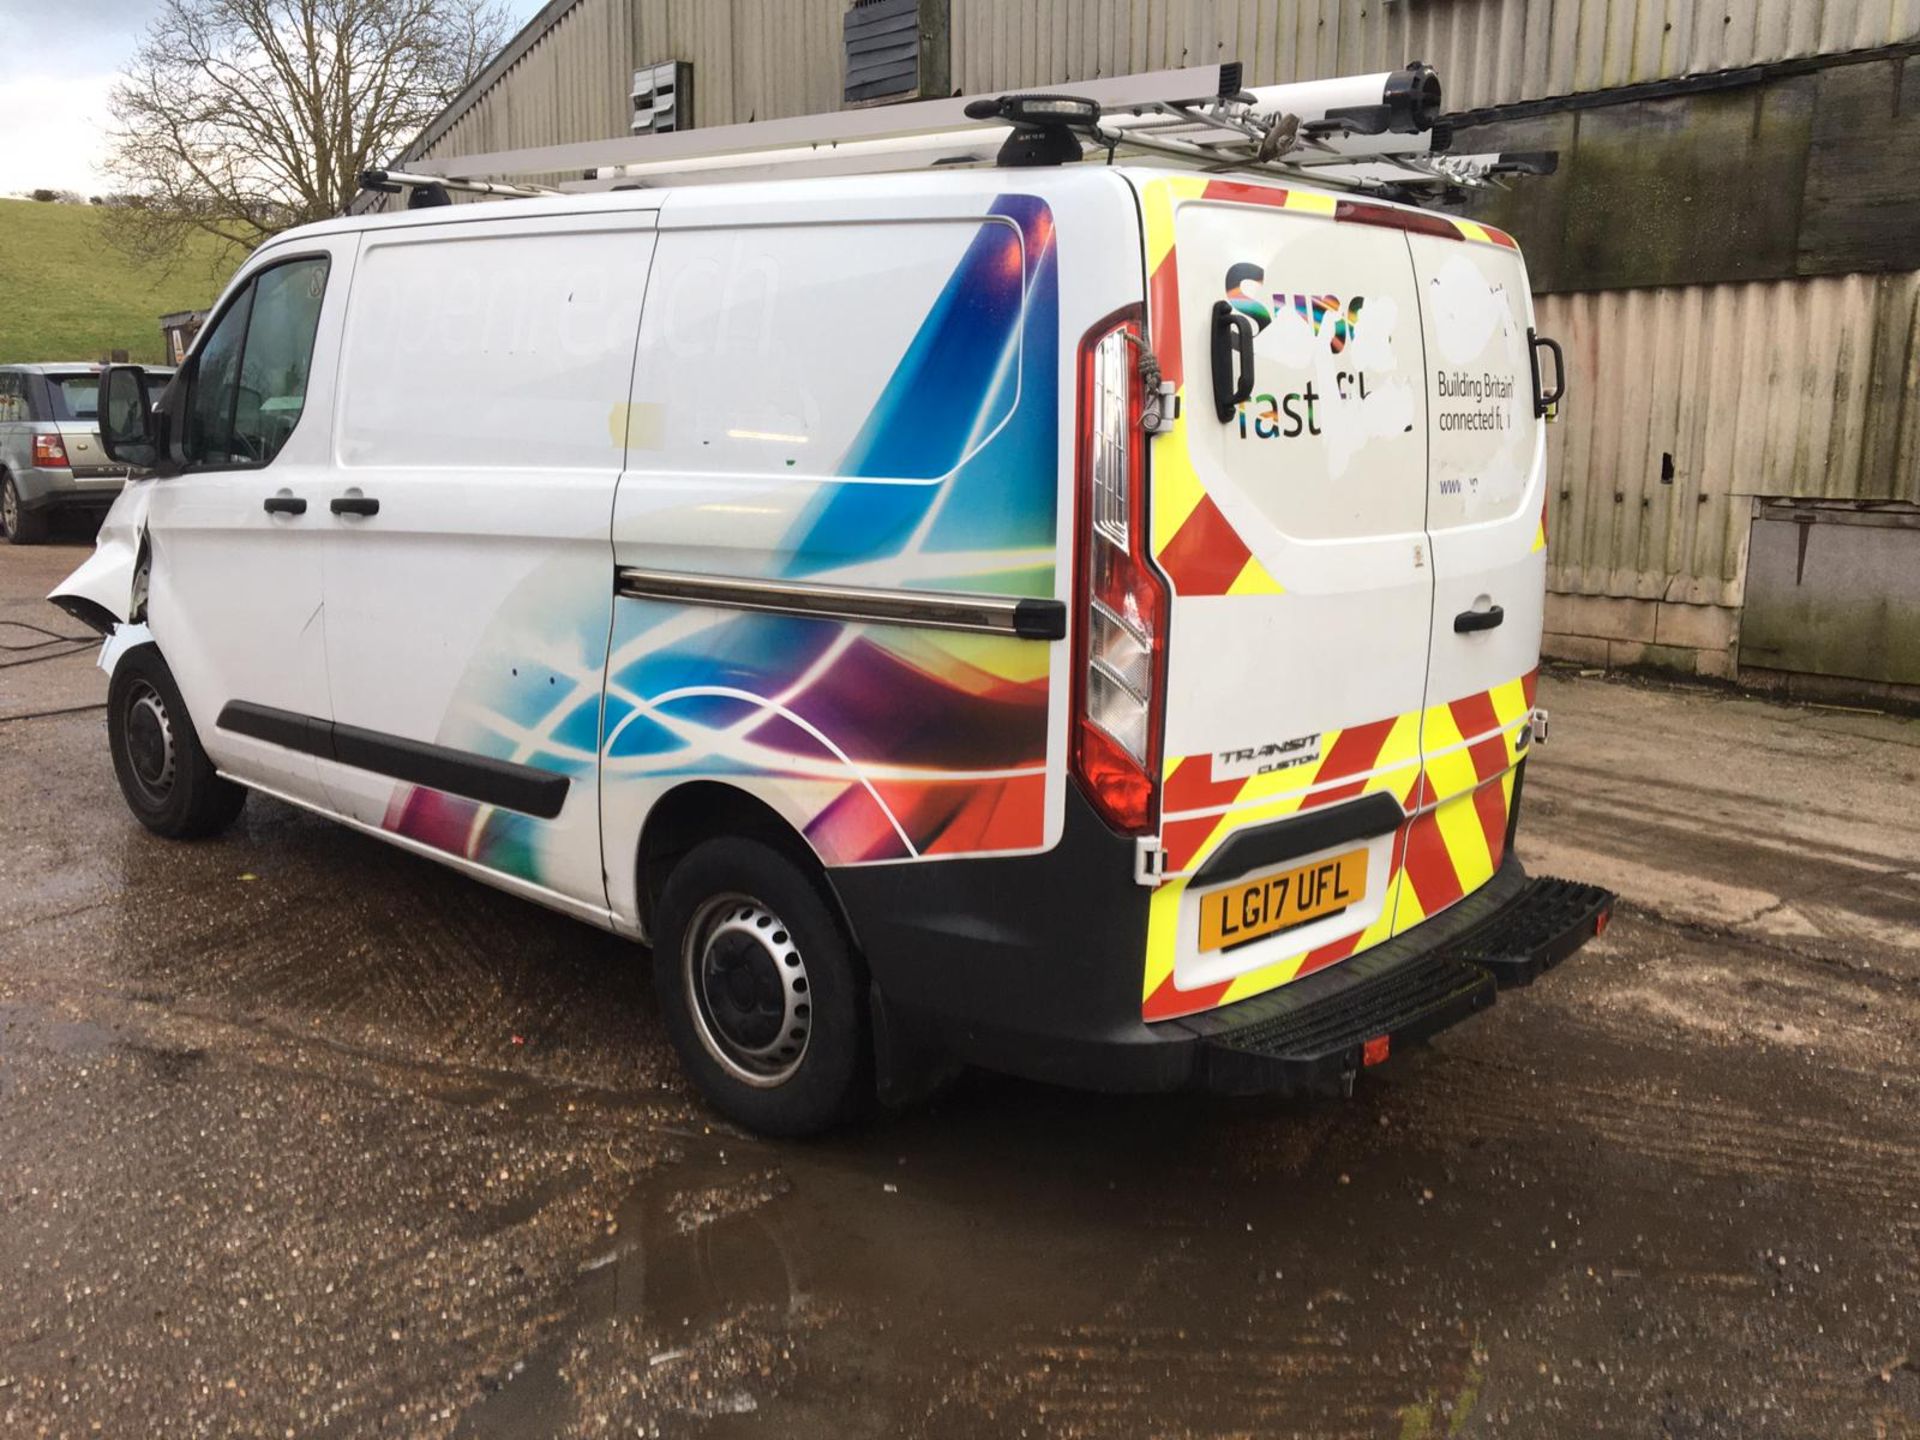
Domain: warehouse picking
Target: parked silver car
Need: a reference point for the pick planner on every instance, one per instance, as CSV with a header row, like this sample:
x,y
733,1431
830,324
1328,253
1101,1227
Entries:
x,y
50,455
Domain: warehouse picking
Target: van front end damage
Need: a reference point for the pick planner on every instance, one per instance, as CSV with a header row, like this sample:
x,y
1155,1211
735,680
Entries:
x,y
108,592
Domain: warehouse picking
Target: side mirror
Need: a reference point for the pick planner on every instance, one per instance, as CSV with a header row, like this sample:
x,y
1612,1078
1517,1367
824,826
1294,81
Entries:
x,y
128,426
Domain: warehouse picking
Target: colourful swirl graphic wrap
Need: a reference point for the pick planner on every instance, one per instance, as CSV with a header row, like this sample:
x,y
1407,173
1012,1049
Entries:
x,y
893,742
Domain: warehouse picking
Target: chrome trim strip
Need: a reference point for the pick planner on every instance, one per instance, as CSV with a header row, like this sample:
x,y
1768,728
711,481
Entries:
x,y
1030,619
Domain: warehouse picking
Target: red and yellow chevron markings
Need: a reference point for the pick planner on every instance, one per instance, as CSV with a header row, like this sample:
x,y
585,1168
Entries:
x,y
1194,543
1453,841
1383,755
1459,835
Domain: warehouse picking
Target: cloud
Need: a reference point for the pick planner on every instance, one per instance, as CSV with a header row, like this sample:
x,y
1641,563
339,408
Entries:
x,y
56,129
59,60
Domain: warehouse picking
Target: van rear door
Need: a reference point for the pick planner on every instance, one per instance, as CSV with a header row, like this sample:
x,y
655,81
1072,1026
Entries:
x,y
1485,522
1292,533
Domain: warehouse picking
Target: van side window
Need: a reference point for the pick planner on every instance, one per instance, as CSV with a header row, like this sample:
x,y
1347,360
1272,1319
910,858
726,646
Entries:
x,y
251,382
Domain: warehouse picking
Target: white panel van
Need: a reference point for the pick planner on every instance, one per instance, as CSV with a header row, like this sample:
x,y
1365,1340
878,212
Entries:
x,y
1075,619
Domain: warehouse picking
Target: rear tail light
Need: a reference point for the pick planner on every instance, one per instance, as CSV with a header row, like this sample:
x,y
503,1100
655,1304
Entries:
x,y
49,450
1120,647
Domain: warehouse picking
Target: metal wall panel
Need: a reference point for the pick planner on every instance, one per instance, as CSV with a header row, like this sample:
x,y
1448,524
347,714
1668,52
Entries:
x,y
770,58
752,59
1802,388
1834,592
1488,52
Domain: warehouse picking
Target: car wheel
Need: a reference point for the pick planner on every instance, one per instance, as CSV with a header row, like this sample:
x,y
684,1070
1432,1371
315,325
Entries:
x,y
168,780
23,526
761,991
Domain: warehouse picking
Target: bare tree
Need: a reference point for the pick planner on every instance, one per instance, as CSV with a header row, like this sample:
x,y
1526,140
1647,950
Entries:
x,y
242,118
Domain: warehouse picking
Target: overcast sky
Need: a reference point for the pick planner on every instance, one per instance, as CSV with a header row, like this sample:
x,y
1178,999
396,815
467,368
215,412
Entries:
x,y
58,60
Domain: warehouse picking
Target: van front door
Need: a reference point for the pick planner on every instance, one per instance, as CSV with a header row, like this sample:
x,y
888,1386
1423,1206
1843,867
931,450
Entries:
x,y
1291,531
233,541
1485,519
481,433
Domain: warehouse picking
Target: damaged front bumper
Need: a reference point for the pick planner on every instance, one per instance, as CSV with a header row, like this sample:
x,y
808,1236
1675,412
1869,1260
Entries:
x,y
108,590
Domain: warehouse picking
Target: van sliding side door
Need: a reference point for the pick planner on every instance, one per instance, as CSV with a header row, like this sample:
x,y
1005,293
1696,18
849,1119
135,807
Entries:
x,y
480,436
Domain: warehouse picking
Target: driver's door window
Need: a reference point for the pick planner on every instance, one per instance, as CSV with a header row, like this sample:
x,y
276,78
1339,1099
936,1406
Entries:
x,y
250,383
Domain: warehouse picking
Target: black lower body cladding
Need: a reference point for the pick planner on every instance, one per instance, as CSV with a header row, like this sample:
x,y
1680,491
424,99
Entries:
x,y
1032,965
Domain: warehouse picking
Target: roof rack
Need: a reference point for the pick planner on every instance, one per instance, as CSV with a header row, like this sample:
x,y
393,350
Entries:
x,y
1379,133
425,191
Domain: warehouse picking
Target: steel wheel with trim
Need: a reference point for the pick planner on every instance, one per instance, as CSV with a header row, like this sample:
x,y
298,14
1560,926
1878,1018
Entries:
x,y
760,989
22,526
168,780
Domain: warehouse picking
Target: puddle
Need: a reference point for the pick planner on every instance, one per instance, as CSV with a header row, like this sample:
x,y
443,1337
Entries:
x,y
1019,1253
23,1028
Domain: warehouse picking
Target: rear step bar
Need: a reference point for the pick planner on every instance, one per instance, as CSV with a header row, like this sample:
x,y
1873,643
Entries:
x,y
1314,1036
1551,920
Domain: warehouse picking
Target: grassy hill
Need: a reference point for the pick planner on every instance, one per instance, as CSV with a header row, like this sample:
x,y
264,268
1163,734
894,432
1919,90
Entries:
x,y
66,294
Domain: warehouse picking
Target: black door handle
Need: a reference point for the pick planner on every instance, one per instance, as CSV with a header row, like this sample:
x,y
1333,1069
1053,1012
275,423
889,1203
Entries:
x,y
1543,398
1232,336
1470,620
354,505
284,505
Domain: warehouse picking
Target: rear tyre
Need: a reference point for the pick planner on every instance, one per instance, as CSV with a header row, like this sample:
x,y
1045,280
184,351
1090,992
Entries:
x,y
170,784
761,990
23,526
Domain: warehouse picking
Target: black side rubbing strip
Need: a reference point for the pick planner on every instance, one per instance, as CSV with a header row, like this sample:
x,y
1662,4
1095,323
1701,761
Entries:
x,y
525,788
278,727
1245,851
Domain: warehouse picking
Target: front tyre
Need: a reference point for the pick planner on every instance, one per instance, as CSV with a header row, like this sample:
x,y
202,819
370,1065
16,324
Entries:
x,y
760,990
168,780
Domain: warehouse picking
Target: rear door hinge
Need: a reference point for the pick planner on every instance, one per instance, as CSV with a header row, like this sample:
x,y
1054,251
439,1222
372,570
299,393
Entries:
x,y
1149,860
1160,402
1160,408
1537,723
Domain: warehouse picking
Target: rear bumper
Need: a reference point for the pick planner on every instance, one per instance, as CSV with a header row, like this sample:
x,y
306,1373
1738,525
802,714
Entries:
x,y
1032,966
1315,1035
46,488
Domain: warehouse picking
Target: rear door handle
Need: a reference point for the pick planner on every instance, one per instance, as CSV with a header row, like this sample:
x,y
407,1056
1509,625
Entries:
x,y
1470,620
284,505
1232,336
354,505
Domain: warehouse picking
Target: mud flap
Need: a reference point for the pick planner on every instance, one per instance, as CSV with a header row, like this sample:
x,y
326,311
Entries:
x,y
908,1068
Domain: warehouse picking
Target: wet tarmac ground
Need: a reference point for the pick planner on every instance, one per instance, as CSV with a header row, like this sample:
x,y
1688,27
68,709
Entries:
x,y
301,1135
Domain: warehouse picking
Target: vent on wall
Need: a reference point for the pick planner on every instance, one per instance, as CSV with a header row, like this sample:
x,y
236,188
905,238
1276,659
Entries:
x,y
895,50
663,98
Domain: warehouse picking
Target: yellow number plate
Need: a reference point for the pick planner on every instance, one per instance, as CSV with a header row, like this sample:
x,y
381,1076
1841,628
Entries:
x,y
1271,903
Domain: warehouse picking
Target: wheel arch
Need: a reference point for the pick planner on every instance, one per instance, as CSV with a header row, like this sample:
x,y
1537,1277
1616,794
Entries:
x,y
699,810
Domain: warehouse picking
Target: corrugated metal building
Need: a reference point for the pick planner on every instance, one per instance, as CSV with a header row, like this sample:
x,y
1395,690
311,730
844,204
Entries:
x,y
1730,253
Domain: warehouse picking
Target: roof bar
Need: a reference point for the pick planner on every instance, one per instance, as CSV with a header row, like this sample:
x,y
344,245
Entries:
x,y
1376,133
805,132
394,181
